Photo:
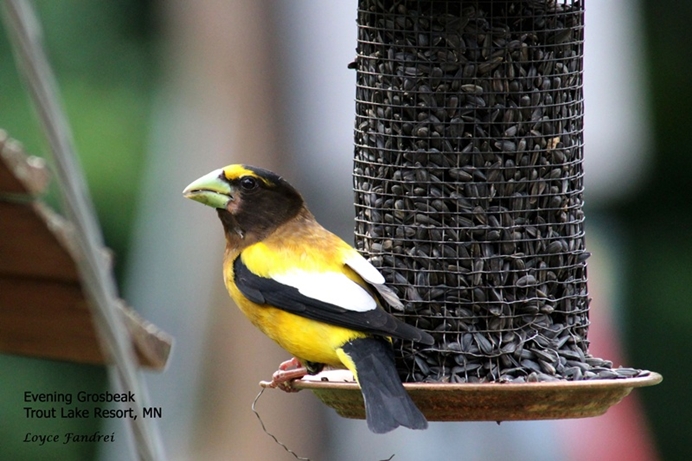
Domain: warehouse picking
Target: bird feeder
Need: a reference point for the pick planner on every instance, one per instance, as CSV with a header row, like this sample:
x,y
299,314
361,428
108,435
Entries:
x,y
468,178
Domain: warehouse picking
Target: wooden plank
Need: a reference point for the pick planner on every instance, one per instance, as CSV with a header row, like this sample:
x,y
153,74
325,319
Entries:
x,y
46,319
51,319
152,345
43,307
29,248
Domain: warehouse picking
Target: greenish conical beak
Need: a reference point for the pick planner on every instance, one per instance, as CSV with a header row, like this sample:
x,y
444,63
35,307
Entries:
x,y
210,190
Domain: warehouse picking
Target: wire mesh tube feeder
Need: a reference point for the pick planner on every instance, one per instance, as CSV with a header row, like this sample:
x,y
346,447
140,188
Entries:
x,y
468,180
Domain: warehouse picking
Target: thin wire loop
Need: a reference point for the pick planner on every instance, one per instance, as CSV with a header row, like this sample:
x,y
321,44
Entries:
x,y
259,418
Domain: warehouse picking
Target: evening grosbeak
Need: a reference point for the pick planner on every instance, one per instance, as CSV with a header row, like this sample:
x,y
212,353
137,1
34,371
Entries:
x,y
308,290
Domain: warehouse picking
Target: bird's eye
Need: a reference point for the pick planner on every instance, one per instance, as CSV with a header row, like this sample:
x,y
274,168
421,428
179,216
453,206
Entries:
x,y
248,183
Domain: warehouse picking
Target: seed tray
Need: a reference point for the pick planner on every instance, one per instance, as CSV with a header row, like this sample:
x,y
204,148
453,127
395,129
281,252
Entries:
x,y
493,401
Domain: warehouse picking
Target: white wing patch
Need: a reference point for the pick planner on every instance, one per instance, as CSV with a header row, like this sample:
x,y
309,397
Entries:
x,y
329,287
371,275
366,270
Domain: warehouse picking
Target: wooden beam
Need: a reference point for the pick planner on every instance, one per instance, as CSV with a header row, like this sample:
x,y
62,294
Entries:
x,y
43,307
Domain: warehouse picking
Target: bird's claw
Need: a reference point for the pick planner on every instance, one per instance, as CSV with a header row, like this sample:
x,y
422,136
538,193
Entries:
x,y
290,364
288,371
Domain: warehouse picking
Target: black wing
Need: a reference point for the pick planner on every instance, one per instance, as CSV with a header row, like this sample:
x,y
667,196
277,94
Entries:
x,y
262,290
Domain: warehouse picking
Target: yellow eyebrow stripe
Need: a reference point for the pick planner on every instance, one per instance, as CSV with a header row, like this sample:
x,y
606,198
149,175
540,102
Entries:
x,y
232,172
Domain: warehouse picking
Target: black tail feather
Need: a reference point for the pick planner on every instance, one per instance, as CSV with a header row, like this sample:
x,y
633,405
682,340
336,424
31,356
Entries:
x,y
387,404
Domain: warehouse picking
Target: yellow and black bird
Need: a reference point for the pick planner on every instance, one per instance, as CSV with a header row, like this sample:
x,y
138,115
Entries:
x,y
308,290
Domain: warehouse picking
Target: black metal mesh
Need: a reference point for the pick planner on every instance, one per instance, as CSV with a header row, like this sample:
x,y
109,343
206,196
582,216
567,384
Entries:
x,y
468,179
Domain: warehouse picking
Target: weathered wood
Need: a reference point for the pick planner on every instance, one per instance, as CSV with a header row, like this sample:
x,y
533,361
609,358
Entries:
x,y
46,319
152,345
19,173
51,319
29,243
43,307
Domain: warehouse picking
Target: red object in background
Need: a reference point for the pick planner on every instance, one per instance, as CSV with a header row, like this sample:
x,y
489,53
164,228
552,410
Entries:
x,y
622,433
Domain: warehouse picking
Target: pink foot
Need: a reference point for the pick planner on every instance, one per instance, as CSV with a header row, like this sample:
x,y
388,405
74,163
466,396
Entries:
x,y
288,371
288,364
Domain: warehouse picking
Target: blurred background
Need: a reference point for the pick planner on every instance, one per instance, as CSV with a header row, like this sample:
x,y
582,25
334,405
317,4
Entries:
x,y
159,93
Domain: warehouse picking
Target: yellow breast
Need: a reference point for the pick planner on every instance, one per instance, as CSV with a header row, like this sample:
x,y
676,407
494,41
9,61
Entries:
x,y
303,338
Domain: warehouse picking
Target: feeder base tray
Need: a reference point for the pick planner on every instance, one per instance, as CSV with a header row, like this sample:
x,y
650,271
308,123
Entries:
x,y
491,401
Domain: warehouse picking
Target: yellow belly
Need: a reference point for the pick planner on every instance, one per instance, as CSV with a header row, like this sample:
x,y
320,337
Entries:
x,y
307,340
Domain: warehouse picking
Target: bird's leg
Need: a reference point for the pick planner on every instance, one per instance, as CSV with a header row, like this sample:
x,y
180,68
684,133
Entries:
x,y
288,371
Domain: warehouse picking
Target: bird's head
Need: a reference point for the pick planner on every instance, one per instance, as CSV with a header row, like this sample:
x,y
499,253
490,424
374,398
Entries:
x,y
249,200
